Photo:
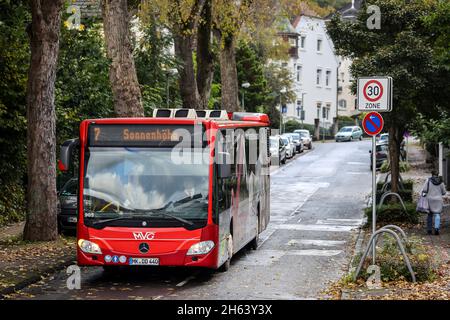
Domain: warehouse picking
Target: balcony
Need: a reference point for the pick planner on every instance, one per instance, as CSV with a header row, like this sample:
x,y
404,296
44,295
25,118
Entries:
x,y
293,52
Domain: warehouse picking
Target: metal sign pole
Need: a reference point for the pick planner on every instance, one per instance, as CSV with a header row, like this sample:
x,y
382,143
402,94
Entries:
x,y
374,194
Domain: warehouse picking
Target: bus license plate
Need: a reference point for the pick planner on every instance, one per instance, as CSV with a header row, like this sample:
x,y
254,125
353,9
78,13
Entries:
x,y
144,261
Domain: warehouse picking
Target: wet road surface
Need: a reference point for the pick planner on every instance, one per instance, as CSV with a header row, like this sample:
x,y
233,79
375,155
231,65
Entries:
x,y
316,211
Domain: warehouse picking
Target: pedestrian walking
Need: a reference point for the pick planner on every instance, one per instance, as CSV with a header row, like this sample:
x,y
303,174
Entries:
x,y
433,191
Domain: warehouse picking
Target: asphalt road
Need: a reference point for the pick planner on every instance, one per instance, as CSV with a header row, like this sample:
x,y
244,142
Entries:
x,y
316,202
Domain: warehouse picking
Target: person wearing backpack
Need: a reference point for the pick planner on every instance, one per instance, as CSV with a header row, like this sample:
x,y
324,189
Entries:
x,y
433,191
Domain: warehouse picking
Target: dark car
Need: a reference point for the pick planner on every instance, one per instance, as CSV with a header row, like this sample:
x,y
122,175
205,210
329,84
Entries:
x,y
384,139
382,153
67,206
296,137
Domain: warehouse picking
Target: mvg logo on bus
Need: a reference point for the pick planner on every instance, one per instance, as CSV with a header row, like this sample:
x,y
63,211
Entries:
x,y
143,236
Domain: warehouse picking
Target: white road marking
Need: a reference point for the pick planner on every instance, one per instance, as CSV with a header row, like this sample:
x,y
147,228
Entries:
x,y
314,252
313,242
358,173
347,222
315,227
268,257
357,163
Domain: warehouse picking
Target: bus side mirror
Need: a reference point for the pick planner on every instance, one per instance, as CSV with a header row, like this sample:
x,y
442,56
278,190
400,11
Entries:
x,y
66,154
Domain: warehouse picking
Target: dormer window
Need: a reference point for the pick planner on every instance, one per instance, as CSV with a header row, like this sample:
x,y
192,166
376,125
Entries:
x,y
319,45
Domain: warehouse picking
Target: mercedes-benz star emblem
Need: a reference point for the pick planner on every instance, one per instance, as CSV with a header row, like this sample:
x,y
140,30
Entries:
x,y
144,247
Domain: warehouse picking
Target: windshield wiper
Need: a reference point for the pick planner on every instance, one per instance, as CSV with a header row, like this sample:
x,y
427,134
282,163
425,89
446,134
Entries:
x,y
101,223
156,213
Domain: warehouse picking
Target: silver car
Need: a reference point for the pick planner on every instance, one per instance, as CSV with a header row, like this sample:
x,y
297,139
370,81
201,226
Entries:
x,y
290,145
306,137
349,133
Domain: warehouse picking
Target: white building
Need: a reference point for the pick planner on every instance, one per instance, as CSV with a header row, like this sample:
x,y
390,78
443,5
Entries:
x,y
314,69
347,104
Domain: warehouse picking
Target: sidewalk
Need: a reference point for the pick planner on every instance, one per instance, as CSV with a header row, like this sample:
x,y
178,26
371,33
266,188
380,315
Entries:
x,y
437,246
24,263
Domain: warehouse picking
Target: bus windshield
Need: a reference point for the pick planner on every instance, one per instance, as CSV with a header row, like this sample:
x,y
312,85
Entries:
x,y
129,183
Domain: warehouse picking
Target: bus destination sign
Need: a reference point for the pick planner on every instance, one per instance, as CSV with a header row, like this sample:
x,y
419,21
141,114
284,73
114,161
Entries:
x,y
140,134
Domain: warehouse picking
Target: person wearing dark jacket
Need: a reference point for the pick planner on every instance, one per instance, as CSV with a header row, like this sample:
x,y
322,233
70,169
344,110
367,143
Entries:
x,y
434,189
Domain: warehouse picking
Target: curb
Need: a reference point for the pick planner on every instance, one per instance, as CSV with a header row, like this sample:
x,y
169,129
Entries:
x,y
357,250
35,278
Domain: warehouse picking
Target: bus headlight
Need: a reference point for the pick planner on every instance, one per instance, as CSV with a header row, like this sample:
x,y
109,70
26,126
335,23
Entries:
x,y
89,247
200,248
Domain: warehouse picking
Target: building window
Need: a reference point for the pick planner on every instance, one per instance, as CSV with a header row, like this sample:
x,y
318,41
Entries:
x,y
343,104
299,73
327,112
319,45
293,42
318,77
342,77
327,78
302,42
319,105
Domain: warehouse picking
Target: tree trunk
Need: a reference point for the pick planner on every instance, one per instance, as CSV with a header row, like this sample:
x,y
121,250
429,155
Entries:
x,y
394,157
228,75
188,83
41,224
122,72
205,57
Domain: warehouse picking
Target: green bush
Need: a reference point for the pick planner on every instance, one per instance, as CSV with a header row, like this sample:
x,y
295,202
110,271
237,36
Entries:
x,y
392,266
407,184
12,203
406,194
403,166
390,213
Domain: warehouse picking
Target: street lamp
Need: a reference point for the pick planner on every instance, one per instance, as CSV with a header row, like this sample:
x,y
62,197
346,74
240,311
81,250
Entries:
x,y
282,91
302,112
245,85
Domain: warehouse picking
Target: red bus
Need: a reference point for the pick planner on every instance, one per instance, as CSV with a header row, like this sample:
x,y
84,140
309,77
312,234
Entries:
x,y
183,188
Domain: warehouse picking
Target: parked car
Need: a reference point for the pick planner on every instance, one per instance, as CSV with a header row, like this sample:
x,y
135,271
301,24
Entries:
x,y
67,206
349,134
305,135
290,145
384,139
298,141
277,149
382,154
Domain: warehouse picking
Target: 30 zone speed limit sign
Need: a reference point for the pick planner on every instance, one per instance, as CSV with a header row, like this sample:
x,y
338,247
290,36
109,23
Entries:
x,y
375,94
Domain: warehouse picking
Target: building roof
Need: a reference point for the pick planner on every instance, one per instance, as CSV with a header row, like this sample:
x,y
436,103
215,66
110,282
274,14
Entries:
x,y
285,27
